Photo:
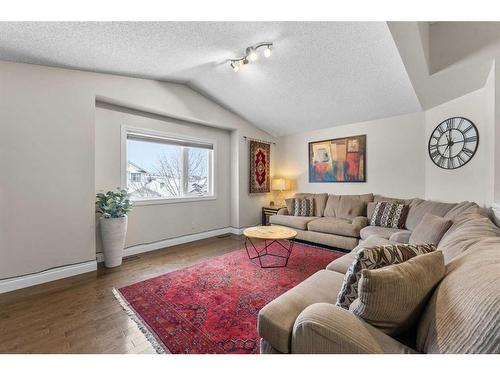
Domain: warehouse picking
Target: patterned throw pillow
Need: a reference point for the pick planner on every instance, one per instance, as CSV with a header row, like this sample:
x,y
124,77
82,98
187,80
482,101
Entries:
x,y
303,206
390,215
375,257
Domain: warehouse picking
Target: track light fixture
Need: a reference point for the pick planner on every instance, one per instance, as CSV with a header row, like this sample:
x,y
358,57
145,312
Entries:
x,y
251,55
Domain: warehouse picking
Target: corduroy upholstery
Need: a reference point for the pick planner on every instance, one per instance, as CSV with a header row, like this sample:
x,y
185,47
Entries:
x,y
326,328
461,316
276,319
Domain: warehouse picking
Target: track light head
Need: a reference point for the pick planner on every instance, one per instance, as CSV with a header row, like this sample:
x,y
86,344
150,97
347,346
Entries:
x,y
268,51
252,54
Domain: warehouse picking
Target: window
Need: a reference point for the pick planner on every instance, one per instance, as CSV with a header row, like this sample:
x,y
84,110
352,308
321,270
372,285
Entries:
x,y
163,167
135,177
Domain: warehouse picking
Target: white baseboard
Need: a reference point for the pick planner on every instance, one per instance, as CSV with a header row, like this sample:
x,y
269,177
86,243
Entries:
x,y
138,249
236,231
495,208
14,283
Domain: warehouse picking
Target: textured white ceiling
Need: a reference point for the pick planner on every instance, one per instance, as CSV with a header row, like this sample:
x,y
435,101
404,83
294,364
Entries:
x,y
321,74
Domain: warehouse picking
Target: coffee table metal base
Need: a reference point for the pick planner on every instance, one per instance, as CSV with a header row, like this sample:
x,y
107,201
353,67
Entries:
x,y
263,252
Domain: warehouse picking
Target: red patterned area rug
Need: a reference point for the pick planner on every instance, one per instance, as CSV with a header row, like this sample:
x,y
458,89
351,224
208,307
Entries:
x,y
212,307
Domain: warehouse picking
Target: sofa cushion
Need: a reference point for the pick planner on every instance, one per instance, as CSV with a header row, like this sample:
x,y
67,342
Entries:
x,y
389,214
334,225
419,207
381,232
324,328
297,222
430,230
328,239
391,298
463,315
401,237
372,258
371,241
276,319
381,198
289,202
319,201
464,208
466,231
370,207
345,206
342,264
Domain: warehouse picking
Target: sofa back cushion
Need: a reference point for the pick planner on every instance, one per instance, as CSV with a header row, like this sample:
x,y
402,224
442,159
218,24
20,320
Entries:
x,y
466,230
319,201
382,198
347,206
463,314
462,209
344,207
420,207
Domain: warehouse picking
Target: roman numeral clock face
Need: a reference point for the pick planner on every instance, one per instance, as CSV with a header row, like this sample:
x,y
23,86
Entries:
x,y
453,143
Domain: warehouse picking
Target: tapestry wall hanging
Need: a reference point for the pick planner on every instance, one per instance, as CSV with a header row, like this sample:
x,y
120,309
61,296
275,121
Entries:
x,y
260,156
338,160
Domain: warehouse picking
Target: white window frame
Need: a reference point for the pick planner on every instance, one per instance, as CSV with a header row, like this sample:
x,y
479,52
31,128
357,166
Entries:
x,y
134,174
125,130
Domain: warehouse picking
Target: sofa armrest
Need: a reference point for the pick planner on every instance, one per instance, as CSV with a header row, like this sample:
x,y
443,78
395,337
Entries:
x,y
282,211
326,328
401,237
360,221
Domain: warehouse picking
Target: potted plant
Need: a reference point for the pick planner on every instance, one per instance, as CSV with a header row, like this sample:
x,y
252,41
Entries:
x,y
113,207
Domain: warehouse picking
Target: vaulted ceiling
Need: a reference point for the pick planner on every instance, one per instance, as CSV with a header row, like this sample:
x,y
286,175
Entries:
x,y
321,74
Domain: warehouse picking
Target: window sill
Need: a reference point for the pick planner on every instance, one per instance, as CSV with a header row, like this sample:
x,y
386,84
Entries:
x,y
154,201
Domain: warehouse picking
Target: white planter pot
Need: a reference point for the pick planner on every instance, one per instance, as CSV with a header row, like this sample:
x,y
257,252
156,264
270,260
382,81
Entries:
x,y
113,233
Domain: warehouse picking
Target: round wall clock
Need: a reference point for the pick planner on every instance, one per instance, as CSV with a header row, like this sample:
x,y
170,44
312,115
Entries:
x,y
453,143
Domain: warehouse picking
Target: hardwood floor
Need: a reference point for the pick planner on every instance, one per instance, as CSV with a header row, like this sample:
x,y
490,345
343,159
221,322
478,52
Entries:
x,y
80,314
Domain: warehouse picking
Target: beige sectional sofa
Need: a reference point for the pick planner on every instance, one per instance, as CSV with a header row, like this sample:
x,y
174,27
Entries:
x,y
461,316
337,220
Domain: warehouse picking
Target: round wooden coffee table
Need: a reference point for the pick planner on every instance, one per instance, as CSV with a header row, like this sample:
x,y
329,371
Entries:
x,y
282,236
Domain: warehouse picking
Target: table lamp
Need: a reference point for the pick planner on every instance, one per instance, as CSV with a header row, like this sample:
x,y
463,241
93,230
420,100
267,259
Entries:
x,y
280,185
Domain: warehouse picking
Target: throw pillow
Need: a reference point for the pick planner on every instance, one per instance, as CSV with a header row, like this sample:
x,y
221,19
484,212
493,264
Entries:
x,y
303,206
370,258
430,229
392,298
389,214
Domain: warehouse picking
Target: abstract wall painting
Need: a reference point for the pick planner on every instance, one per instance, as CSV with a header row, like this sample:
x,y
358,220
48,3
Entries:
x,y
260,158
338,160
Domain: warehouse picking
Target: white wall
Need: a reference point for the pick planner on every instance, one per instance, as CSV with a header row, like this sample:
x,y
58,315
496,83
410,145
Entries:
x,y
394,161
157,222
47,158
473,181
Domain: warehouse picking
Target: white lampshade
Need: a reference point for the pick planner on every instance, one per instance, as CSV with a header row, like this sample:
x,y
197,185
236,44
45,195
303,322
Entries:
x,y
280,184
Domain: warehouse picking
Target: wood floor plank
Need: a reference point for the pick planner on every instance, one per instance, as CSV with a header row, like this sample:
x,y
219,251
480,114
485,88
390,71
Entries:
x,y
81,315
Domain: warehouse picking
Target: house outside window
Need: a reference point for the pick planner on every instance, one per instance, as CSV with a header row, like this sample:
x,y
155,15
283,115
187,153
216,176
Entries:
x,y
162,167
135,177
